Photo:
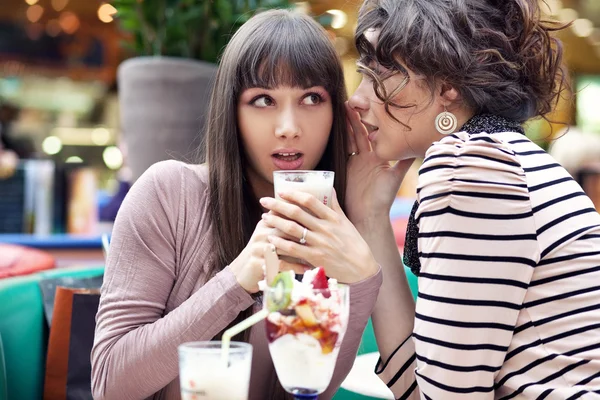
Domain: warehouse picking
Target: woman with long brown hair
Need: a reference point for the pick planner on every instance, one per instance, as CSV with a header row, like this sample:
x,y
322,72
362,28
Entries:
x,y
504,241
187,248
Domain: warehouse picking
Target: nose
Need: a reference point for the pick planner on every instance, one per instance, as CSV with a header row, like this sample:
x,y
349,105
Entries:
x,y
359,101
287,123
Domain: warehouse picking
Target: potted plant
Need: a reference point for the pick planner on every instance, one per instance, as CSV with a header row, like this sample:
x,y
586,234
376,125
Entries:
x,y
164,90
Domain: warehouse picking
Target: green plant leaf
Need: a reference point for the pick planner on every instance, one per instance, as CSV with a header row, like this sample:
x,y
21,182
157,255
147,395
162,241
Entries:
x,y
197,29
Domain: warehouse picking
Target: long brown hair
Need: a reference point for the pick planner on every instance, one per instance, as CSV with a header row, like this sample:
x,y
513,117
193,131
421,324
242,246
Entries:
x,y
273,48
499,54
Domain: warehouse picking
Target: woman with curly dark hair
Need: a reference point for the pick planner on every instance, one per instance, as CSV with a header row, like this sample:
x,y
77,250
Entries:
x,y
504,241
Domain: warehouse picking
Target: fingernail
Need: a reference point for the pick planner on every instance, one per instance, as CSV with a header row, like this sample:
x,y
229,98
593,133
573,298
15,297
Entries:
x,y
282,194
270,238
264,216
264,201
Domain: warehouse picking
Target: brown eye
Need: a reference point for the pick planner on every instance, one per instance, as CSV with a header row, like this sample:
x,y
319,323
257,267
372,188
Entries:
x,y
312,99
263,101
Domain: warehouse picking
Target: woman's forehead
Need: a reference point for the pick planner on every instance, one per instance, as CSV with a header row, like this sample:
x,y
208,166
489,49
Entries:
x,y
283,73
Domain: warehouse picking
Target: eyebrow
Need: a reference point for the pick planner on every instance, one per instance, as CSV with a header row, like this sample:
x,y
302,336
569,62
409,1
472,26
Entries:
x,y
262,87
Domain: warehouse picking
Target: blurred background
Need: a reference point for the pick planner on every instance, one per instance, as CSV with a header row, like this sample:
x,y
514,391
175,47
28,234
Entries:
x,y
92,92
92,130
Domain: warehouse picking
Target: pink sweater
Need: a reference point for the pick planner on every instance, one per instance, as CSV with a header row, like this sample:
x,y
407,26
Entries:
x,y
157,293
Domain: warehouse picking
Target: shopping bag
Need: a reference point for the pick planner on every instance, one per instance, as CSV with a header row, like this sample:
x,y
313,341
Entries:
x,y
68,367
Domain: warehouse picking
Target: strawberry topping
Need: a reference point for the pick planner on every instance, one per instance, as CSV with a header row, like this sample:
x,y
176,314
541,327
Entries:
x,y
320,282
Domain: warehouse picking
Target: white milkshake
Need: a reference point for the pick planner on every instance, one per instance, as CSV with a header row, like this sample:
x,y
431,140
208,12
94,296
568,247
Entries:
x,y
317,183
203,377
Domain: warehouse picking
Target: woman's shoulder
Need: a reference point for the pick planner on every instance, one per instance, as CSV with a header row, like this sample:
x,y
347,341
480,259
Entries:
x,y
172,186
484,150
472,162
171,173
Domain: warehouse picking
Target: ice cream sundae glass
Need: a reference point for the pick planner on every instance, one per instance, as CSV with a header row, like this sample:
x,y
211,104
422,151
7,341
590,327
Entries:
x,y
305,326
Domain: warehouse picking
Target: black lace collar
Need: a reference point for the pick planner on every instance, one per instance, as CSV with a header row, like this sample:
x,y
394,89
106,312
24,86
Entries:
x,y
478,124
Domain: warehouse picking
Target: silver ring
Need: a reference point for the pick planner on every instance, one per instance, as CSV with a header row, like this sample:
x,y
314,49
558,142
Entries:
x,y
353,153
303,238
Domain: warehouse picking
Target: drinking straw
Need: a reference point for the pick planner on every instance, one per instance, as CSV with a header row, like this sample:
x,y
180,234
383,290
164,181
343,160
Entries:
x,y
105,245
234,330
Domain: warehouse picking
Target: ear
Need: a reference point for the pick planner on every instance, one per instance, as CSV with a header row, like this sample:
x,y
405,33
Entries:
x,y
448,93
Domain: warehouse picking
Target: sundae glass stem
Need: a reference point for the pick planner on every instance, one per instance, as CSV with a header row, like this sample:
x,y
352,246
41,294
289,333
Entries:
x,y
300,396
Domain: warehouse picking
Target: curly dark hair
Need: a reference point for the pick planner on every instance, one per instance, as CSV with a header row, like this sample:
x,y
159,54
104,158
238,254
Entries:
x,y
500,55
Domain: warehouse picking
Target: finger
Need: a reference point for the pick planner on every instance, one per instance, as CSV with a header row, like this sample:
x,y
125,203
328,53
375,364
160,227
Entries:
x,y
275,232
290,228
361,135
290,248
352,146
297,268
335,204
301,205
271,263
288,210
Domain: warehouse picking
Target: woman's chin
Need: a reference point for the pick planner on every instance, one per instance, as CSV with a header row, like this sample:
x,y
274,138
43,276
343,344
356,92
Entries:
x,y
386,153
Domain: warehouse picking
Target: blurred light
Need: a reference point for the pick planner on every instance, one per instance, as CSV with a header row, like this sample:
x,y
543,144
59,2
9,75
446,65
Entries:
x,y
59,5
34,13
69,22
340,19
567,15
34,31
595,37
52,145
11,68
53,28
552,6
106,12
302,7
74,160
31,2
100,136
113,158
582,27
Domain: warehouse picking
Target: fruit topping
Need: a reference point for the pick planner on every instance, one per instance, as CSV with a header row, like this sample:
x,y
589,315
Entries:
x,y
304,311
321,282
281,293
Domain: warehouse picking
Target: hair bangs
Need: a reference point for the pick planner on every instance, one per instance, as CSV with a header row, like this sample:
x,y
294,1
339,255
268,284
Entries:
x,y
285,54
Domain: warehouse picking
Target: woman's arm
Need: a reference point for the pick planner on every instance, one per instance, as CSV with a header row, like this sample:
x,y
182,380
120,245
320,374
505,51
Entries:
x,y
135,348
372,187
394,312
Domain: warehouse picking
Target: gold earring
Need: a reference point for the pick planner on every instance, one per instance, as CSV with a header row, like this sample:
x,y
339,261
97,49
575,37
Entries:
x,y
446,122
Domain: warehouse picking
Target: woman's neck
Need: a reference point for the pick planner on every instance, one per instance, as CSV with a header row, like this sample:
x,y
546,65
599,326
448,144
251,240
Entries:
x,y
260,186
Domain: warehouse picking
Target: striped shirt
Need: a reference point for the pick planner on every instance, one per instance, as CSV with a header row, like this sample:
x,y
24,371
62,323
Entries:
x,y
509,291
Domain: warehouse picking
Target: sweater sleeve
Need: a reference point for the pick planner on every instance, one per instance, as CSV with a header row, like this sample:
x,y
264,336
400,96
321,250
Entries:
x,y
478,248
135,345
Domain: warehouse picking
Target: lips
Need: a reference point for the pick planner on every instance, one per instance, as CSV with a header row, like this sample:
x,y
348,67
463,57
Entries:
x,y
371,129
288,159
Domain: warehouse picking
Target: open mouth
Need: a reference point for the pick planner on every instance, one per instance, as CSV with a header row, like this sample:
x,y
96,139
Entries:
x,y
288,157
370,128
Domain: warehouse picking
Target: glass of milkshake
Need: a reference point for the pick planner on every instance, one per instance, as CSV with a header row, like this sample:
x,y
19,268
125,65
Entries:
x,y
305,326
203,377
317,183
